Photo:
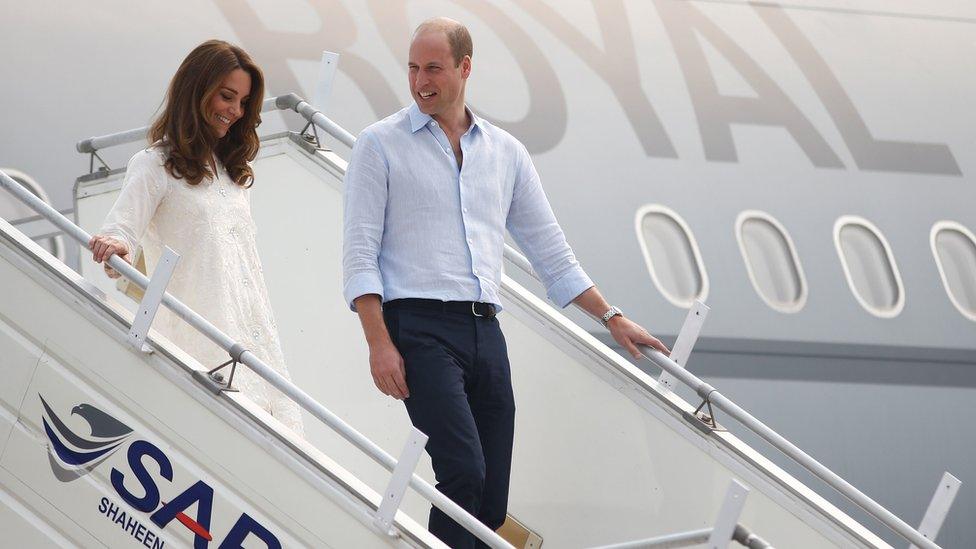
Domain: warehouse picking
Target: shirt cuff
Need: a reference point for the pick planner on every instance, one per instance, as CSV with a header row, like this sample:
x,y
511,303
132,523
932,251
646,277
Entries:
x,y
361,284
563,291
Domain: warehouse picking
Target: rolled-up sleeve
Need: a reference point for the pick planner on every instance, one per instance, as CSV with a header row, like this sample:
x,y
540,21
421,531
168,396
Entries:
x,y
143,189
534,228
364,209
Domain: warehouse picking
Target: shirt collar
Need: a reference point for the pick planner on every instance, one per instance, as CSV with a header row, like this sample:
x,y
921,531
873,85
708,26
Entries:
x,y
418,119
476,121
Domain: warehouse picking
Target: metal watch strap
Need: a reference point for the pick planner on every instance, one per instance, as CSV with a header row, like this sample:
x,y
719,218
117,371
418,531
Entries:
x,y
611,312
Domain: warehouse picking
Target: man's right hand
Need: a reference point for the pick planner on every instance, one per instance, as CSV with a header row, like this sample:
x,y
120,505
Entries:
x,y
389,375
385,362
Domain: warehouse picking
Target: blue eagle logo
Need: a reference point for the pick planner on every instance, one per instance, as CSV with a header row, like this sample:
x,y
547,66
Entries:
x,y
74,455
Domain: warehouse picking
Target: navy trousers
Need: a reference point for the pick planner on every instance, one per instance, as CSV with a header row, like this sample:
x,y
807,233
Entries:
x,y
461,397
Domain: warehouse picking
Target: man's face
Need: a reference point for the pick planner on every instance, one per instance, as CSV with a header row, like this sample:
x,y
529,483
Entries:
x,y
436,84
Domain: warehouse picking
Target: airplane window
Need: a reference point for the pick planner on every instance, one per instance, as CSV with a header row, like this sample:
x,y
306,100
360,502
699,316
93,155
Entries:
x,y
672,255
771,261
869,266
954,247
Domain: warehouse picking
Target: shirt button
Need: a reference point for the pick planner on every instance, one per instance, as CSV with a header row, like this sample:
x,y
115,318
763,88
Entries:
x,y
433,123
465,210
470,241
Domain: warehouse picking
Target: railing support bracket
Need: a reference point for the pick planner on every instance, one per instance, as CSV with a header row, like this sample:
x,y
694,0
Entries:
x,y
400,480
91,163
151,299
942,500
216,380
685,342
703,418
728,516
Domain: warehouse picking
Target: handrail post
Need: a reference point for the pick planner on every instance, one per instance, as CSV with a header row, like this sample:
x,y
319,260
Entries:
x,y
728,515
938,508
687,337
400,480
323,86
152,298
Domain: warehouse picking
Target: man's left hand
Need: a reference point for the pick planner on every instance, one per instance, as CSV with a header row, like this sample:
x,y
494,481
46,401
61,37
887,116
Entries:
x,y
630,334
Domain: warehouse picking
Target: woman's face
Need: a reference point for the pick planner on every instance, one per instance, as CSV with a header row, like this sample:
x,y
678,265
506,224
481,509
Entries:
x,y
227,104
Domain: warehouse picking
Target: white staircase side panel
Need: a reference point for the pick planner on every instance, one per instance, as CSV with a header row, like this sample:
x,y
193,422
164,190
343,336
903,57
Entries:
x,y
34,522
68,346
17,366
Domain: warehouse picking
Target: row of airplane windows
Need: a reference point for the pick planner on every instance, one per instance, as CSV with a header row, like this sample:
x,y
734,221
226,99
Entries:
x,y
774,268
771,260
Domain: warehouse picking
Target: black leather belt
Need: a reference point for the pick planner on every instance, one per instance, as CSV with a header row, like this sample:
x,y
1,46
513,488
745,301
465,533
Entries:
x,y
475,308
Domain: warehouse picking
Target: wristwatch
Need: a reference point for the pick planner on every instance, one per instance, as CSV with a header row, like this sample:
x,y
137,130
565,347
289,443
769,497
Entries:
x,y
612,312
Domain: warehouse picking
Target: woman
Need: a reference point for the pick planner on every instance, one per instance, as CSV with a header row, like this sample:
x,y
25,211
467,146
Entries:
x,y
190,191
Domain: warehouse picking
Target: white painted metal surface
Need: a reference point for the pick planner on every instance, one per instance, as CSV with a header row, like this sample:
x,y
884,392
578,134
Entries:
x,y
945,494
668,541
400,480
683,345
151,299
323,84
728,515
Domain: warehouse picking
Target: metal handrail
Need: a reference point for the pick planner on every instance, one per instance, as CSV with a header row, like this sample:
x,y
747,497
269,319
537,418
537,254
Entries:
x,y
741,535
300,397
293,102
720,401
289,101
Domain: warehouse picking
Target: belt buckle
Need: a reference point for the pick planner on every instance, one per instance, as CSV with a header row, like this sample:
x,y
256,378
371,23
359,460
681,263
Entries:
x,y
474,312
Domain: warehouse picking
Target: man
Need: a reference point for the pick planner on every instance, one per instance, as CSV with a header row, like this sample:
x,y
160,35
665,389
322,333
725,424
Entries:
x,y
429,193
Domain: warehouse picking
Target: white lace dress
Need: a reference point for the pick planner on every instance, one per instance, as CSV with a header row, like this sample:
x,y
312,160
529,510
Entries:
x,y
219,274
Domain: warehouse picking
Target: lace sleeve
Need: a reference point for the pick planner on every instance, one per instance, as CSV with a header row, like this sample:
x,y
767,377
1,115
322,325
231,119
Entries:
x,y
144,187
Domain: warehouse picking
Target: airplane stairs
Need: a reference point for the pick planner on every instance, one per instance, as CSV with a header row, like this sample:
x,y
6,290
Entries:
x,y
109,443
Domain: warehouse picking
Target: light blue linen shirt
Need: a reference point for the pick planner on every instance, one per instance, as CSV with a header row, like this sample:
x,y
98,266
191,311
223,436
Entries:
x,y
416,226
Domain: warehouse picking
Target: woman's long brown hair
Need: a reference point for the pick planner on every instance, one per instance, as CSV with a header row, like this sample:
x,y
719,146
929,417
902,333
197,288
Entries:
x,y
183,125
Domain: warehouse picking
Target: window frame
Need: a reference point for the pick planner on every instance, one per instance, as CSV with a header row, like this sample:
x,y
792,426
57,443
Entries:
x,y
899,305
740,221
937,227
642,212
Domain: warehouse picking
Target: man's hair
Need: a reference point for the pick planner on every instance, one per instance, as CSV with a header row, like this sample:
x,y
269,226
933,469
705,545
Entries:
x,y
458,37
